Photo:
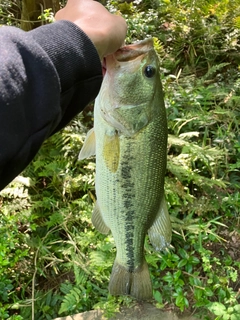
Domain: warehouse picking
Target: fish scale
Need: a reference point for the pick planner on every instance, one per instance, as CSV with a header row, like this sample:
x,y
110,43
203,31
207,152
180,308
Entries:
x,y
130,143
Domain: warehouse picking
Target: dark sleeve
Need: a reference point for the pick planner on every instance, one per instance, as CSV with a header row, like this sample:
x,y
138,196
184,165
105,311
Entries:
x,y
47,76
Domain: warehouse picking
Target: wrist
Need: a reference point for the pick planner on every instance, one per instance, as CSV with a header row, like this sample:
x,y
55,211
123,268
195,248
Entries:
x,y
71,51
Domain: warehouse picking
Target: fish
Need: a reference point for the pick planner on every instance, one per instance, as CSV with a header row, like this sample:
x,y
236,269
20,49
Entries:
x,y
129,140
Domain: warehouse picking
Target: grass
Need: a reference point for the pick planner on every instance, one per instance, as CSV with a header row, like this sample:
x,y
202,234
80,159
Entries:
x,y
52,261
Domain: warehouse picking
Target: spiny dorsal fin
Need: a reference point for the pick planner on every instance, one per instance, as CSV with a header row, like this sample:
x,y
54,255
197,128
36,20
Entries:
x,y
97,220
111,151
160,233
89,146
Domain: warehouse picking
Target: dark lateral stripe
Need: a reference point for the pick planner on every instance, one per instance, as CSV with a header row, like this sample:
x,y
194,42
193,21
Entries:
x,y
129,200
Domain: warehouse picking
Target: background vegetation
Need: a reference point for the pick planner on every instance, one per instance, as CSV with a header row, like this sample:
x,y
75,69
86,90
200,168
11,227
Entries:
x,y
52,261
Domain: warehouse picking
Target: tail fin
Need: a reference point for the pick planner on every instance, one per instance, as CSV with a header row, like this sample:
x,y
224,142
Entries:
x,y
137,283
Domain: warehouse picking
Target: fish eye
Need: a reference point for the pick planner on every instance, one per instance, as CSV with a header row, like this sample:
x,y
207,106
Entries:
x,y
149,71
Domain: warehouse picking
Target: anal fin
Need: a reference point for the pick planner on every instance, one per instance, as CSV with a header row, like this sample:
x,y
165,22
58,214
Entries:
x,y
160,233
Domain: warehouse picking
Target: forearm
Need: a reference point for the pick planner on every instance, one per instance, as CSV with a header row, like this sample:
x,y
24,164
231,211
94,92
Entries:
x,y
78,66
47,76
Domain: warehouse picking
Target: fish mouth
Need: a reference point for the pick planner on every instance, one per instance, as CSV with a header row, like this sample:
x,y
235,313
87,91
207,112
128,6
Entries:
x,y
133,51
128,53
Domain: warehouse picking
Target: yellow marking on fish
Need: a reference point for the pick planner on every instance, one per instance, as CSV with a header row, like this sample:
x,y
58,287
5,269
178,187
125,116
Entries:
x,y
111,152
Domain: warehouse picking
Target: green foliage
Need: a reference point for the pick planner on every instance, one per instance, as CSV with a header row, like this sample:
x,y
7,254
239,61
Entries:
x,y
71,300
47,15
53,263
7,9
197,268
224,313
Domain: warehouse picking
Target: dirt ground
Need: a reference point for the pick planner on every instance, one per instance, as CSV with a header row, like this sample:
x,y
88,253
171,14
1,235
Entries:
x,y
145,311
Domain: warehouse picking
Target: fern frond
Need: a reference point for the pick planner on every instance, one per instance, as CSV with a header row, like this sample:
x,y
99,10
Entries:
x,y
80,275
71,300
212,71
55,219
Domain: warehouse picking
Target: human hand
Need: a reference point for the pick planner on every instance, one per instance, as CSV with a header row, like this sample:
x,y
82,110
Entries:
x,y
107,31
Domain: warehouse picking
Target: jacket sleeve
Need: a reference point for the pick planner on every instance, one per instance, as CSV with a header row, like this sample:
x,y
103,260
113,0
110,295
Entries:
x,y
47,76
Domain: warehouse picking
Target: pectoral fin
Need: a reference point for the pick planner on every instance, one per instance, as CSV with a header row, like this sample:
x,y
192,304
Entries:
x,y
89,146
160,233
111,151
97,220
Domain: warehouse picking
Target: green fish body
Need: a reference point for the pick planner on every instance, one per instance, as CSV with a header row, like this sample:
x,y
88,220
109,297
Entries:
x,y
129,139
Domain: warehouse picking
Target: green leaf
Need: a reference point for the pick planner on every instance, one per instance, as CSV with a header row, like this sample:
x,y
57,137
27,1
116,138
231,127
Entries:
x,y
237,308
208,292
168,277
182,263
235,316
157,296
217,308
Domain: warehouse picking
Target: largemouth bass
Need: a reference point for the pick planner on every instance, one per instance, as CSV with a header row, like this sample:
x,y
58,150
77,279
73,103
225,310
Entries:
x,y
129,139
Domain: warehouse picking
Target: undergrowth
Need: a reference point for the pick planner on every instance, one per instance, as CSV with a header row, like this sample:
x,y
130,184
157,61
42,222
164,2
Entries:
x,y
52,261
